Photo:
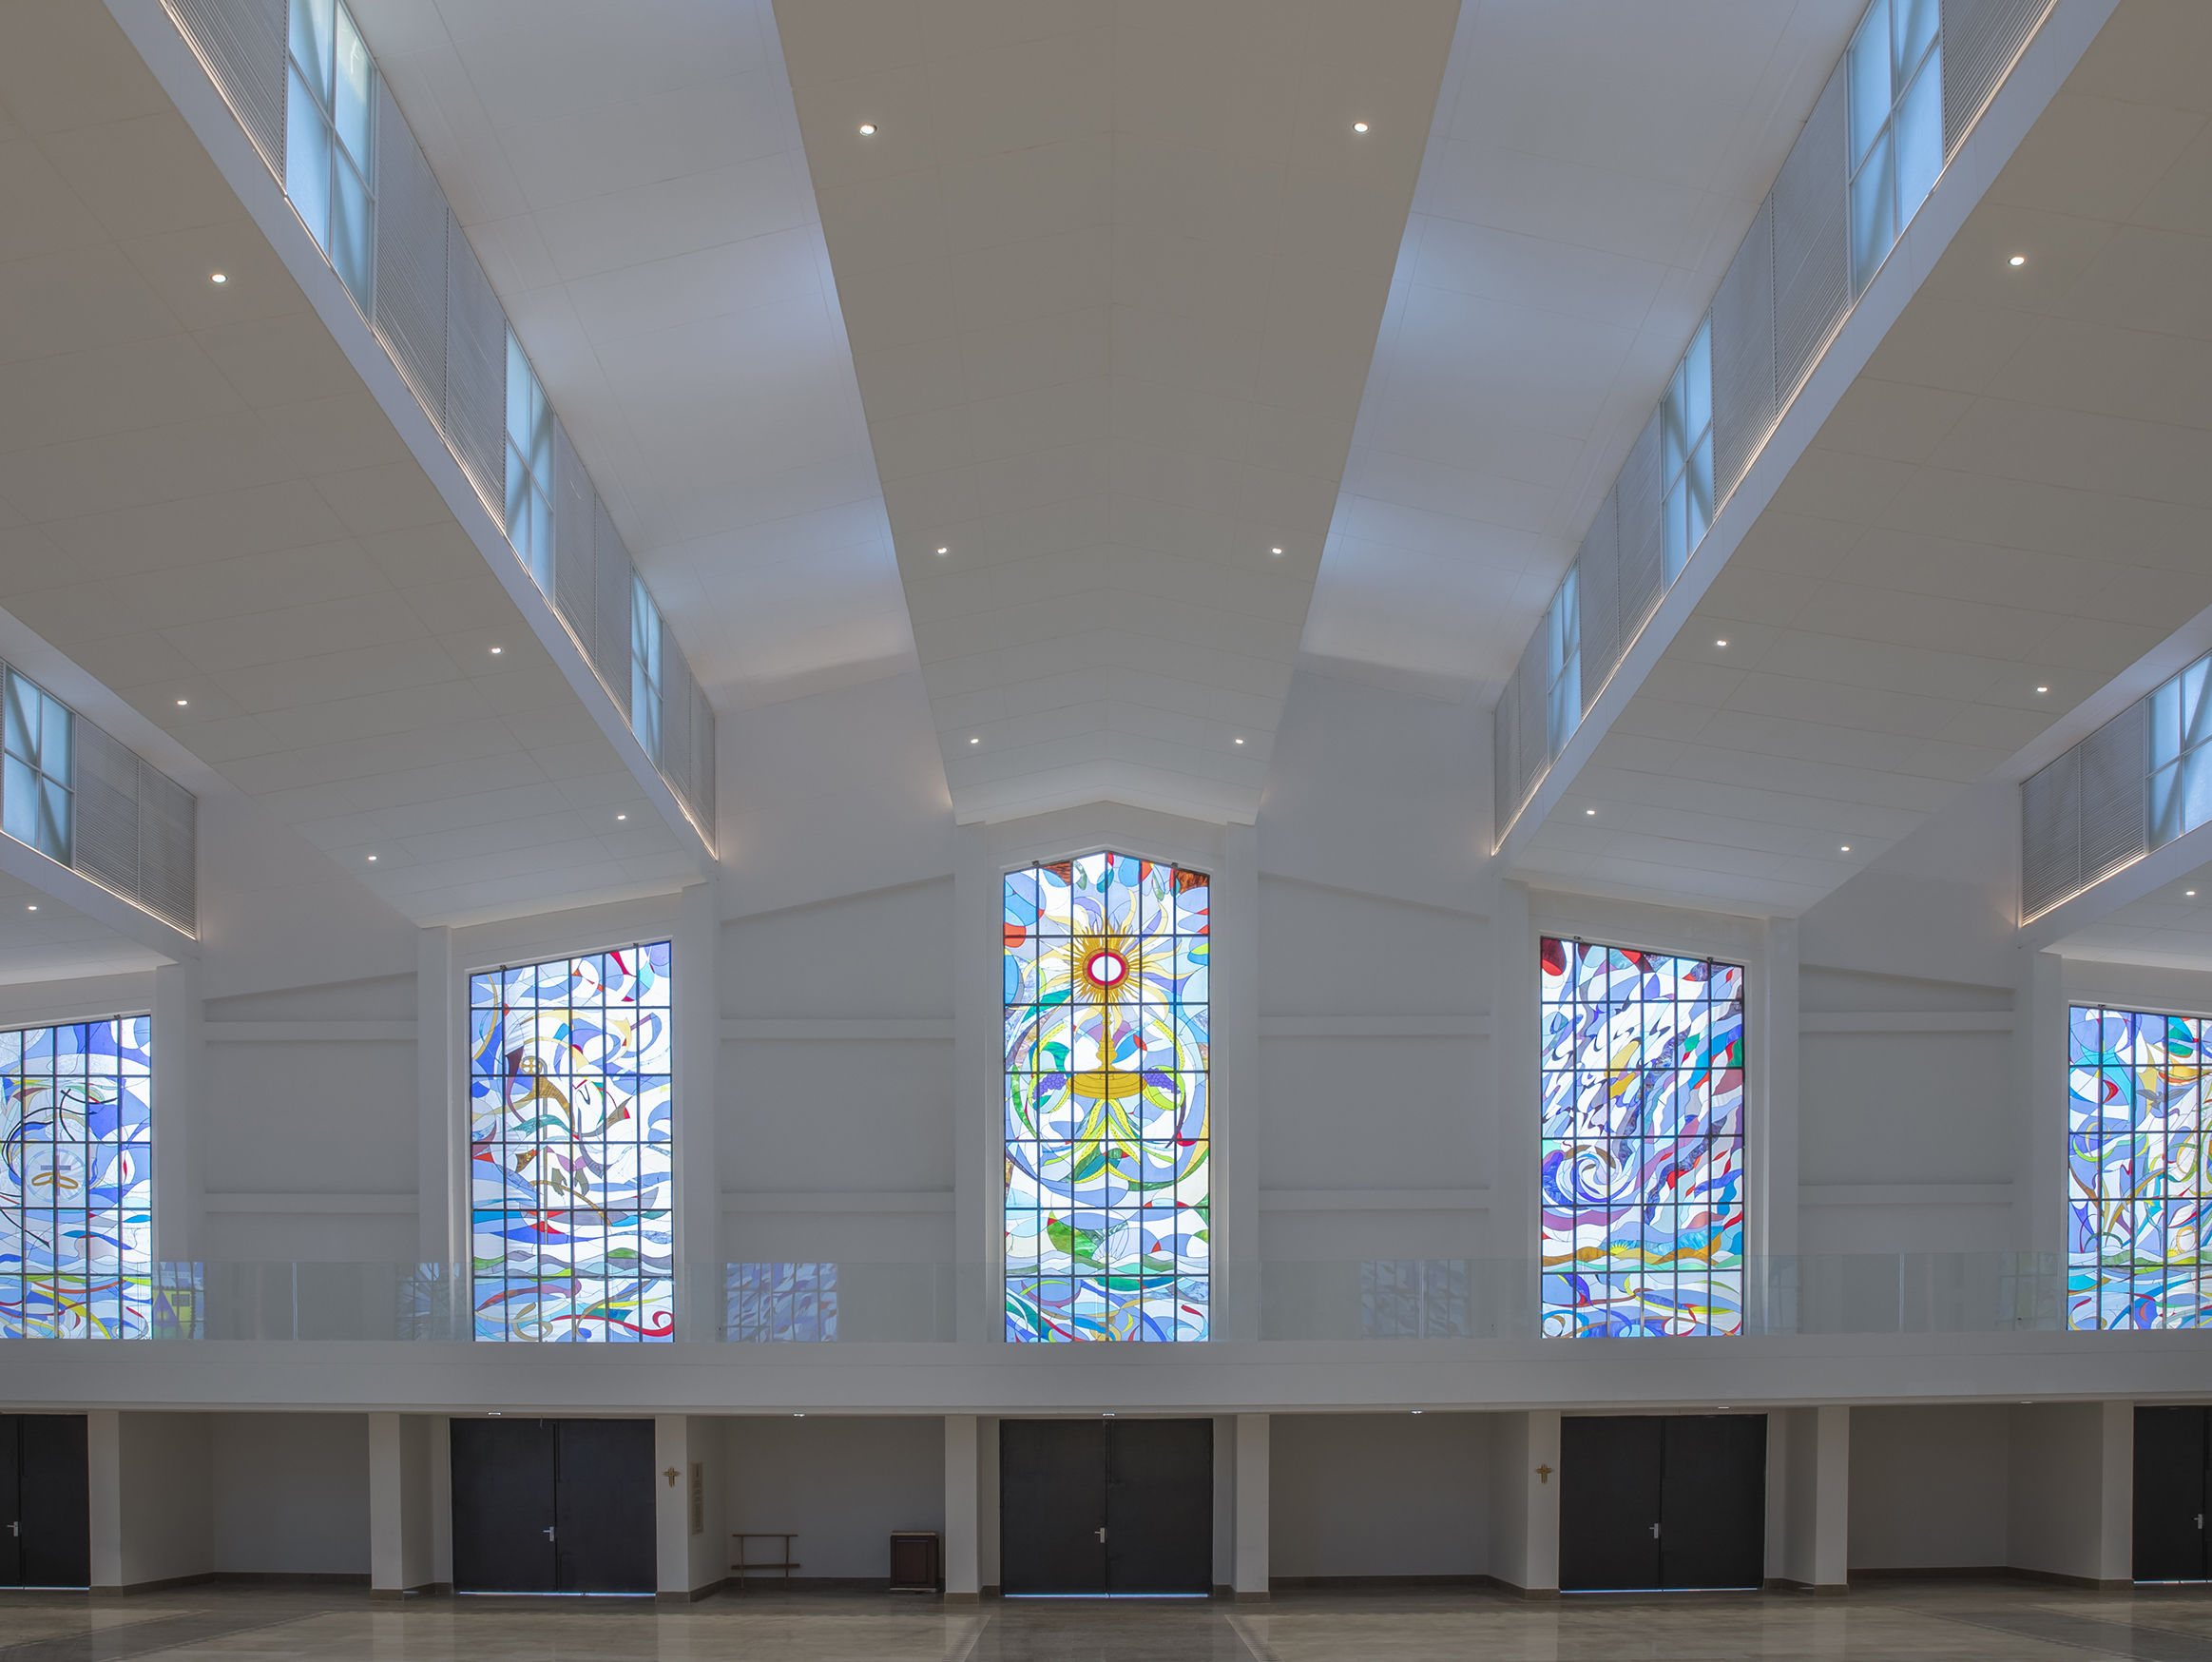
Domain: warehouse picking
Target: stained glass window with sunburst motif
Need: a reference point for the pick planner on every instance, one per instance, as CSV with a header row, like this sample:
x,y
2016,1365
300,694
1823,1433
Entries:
x,y
1642,1151
1106,1203
572,1132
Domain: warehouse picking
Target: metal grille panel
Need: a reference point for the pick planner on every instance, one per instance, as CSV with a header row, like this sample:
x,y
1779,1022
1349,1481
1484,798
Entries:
x,y
167,848
675,718
2115,796
703,772
1598,585
2050,838
240,43
575,537
412,218
105,846
1534,755
1982,39
1812,258
476,373
1744,357
1642,554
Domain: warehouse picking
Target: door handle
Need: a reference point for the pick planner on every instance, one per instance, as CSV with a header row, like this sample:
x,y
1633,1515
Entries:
x,y
16,1528
1102,1534
1655,1532
2199,1521
548,1535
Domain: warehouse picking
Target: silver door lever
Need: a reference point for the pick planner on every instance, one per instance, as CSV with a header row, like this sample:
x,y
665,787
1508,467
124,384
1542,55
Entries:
x,y
548,1535
1655,1532
16,1528
1102,1534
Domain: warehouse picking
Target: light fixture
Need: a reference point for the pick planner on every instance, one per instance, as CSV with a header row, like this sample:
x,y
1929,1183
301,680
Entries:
x,y
1845,849
975,741
497,650
180,703
1720,1404
622,816
1275,551
1719,643
1110,1415
2190,893
867,129
1415,1410
2043,689
944,550
30,908
798,1416
1239,741
372,860
1590,811
1358,126
2017,260
217,277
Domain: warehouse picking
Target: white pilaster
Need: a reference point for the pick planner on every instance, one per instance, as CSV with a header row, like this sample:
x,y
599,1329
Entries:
x,y
1774,1119
1540,1489
2039,1048
104,1474
961,1486
978,1004
698,968
1809,1450
1234,916
1513,1160
442,1123
401,1554
180,1205
672,1499
1251,1578
2116,1494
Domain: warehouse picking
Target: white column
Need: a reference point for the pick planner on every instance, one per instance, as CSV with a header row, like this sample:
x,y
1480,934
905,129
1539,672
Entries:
x,y
1235,1082
401,1556
961,1584
104,1473
1251,1581
978,1004
441,1122
672,1458
2039,1052
179,1201
2116,1521
1513,1158
1541,1489
1809,1450
698,969
1774,1128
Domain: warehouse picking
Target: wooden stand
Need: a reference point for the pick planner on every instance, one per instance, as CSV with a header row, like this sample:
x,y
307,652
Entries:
x,y
917,1561
745,1565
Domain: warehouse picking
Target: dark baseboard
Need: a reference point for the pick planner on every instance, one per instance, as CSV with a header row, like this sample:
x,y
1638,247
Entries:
x,y
694,1595
161,1586
1819,1589
992,1590
1222,1590
424,1589
289,1578
2055,1578
809,1584
963,1598
1249,1596
1362,1584
1992,1573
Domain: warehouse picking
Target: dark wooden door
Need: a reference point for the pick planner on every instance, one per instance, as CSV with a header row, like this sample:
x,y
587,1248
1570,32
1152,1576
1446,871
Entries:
x,y
45,1493
1712,1501
505,1494
1052,1506
1159,1506
1611,1473
2173,1447
604,1506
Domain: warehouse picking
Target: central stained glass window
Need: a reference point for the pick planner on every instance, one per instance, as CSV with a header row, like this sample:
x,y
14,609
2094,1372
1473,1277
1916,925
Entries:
x,y
2137,1194
572,1134
1643,1146
76,1186
1106,1204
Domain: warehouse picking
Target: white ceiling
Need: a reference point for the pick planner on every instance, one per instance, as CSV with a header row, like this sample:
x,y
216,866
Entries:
x,y
42,938
1591,169
632,178
203,506
2015,493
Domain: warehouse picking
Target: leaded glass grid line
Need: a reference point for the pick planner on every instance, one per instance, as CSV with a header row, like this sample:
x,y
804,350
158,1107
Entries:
x,y
1642,1143
76,1208
1107,1133
2136,1170
573,1144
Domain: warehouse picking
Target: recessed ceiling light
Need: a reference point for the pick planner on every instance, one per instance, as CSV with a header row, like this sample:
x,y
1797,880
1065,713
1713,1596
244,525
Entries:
x,y
1589,810
798,1416
2043,689
1844,849
497,650
1719,643
217,277
1239,741
622,816
2191,893
2019,259
30,908
975,741
1275,551
867,129
180,703
1358,126
944,550
1415,1410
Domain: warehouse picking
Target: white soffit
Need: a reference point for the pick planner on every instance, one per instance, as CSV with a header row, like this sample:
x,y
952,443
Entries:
x,y
204,507
1113,276
1591,170
2015,493
632,179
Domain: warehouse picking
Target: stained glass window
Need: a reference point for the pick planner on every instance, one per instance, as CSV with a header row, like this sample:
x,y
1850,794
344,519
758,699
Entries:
x,y
770,1304
572,1132
2136,1170
76,1208
1106,1204
1642,1143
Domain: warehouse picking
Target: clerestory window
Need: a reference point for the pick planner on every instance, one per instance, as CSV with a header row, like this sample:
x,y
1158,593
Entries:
x,y
329,129
37,790
529,467
1896,124
1685,431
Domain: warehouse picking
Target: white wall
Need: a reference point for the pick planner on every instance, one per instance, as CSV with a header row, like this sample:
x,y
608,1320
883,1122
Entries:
x,y
1929,1487
1356,1494
2067,1497
290,1494
844,1483
166,1471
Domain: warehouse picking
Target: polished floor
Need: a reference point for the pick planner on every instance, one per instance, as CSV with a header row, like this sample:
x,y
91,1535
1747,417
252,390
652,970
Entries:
x,y
1942,1622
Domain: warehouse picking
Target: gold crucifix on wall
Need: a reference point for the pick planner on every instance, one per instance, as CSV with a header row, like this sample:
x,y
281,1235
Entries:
x,y
671,1475
1544,1474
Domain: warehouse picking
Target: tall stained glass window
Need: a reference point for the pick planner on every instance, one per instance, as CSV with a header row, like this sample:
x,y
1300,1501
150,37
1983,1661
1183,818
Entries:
x,y
2136,1170
1643,1144
1106,1203
76,1194
572,1133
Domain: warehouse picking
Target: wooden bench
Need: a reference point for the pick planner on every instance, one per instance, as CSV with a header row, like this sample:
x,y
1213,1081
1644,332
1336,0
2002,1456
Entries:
x,y
746,1564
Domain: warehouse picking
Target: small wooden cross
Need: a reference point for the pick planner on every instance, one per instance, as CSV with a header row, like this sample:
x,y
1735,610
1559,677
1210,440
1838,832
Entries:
x,y
1544,1474
670,1475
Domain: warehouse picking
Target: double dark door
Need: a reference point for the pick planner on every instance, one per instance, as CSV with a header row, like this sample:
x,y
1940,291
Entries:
x,y
45,1528
1673,1501
2173,1489
1112,1508
553,1506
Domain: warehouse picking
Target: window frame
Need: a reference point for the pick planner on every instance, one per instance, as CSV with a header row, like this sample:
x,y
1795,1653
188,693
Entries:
x,y
1563,663
344,196
16,767
1686,452
647,690
1877,162
530,465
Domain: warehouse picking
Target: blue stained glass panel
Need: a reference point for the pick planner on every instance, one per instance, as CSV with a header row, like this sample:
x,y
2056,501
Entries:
x,y
573,1139
76,1185
1107,1137
2137,1194
1641,1152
